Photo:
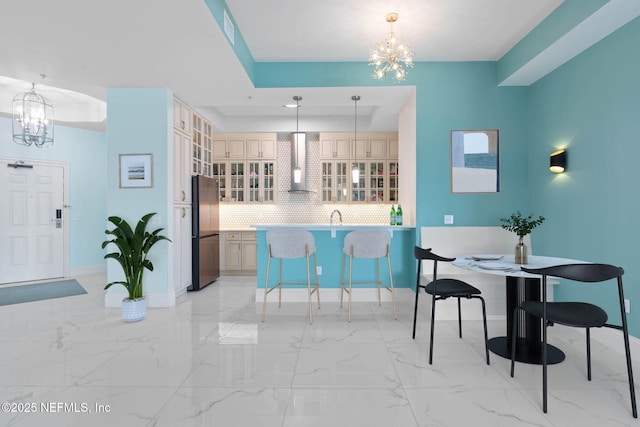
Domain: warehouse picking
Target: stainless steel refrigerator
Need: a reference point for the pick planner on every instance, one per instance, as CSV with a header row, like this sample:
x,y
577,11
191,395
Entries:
x,y
205,239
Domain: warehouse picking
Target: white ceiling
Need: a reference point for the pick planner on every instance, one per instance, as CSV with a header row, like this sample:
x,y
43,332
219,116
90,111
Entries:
x,y
88,46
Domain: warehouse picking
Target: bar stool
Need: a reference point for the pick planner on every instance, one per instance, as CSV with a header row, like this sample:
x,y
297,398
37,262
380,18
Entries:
x,y
291,244
372,244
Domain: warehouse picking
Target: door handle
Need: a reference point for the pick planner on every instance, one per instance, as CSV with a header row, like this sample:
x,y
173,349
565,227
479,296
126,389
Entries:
x,y
58,218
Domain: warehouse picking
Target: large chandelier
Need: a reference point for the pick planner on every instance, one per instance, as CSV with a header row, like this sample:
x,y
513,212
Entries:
x,y
32,119
390,54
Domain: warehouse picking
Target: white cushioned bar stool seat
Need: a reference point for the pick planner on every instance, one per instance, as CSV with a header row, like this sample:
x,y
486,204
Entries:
x,y
291,244
372,244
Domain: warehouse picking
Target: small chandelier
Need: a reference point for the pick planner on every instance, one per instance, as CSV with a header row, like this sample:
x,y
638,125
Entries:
x,y
390,54
32,119
355,171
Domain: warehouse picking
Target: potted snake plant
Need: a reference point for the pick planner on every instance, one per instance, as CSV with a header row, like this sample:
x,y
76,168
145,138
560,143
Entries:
x,y
133,246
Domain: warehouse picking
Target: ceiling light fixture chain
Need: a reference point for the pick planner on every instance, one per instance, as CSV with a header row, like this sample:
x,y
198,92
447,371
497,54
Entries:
x,y
32,119
390,54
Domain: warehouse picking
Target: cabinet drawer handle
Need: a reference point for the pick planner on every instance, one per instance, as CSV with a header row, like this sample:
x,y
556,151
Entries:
x,y
182,124
184,195
184,212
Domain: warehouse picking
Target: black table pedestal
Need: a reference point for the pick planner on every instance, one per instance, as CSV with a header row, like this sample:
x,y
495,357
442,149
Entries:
x,y
525,352
529,333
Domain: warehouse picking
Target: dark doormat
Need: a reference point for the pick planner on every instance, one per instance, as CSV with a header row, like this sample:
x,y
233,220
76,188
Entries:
x,y
39,291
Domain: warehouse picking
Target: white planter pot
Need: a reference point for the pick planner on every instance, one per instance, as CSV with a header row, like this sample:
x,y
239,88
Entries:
x,y
134,310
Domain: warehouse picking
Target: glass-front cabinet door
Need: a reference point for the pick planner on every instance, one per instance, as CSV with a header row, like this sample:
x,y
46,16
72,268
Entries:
x,y
207,146
342,182
336,178
359,188
393,182
261,180
268,182
254,181
327,182
219,172
376,181
236,184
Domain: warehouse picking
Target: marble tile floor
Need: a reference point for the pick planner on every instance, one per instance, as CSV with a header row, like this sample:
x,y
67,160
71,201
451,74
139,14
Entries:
x,y
210,361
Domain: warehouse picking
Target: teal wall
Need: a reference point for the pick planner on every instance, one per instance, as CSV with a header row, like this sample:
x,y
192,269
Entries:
x,y
464,95
85,151
140,122
590,106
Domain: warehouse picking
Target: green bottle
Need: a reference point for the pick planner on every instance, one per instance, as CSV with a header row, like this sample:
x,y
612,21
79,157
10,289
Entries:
x,y
399,215
392,216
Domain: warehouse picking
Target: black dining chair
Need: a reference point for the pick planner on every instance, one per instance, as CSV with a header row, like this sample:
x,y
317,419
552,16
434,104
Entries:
x,y
441,289
575,314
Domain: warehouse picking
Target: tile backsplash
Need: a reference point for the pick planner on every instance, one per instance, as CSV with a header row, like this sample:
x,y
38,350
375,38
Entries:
x,y
295,208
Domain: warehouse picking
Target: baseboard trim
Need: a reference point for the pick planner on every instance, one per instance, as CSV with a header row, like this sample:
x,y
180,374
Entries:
x,y
87,270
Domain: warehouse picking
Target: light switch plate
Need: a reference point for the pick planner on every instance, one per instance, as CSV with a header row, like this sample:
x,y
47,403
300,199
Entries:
x,y
448,219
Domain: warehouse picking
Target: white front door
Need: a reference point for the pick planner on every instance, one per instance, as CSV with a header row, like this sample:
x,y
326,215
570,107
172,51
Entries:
x,y
31,221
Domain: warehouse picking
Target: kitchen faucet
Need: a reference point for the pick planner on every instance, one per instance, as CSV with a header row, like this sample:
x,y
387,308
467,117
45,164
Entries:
x,y
331,217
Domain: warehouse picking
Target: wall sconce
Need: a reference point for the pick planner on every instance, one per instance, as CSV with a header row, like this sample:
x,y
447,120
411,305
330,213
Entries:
x,y
558,161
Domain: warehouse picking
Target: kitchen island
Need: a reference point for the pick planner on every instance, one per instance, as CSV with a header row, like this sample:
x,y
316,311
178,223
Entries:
x,y
329,241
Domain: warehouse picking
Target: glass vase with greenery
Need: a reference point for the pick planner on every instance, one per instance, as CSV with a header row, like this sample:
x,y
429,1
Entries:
x,y
522,226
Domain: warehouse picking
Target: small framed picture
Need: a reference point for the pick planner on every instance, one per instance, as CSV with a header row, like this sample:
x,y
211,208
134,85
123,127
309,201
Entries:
x,y
136,170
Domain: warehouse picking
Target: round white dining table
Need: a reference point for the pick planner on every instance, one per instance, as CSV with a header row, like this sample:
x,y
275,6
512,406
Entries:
x,y
520,286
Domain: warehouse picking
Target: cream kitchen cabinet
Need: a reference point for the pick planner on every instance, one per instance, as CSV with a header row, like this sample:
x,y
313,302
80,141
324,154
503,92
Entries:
x,y
202,146
181,116
261,146
261,181
392,182
374,185
232,179
375,154
392,152
334,145
370,148
181,168
181,242
228,148
336,181
240,252
245,164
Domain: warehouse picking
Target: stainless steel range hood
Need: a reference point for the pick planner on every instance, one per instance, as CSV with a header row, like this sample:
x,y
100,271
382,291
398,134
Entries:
x,y
299,159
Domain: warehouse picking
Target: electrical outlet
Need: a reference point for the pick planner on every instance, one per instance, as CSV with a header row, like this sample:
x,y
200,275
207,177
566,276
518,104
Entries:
x,y
627,306
319,270
448,219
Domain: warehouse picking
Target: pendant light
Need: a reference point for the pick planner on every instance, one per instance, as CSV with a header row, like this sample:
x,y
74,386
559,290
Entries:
x,y
297,172
32,119
355,171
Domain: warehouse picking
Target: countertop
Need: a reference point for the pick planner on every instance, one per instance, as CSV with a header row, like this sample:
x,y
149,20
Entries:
x,y
504,265
328,227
